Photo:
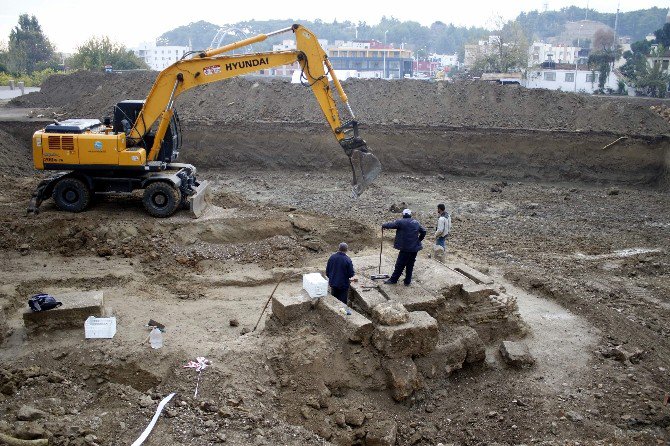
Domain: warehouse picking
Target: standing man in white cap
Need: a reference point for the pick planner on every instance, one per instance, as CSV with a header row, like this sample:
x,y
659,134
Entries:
x,y
408,237
340,271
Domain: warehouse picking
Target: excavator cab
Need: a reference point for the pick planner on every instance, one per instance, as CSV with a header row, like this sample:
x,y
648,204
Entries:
x,y
126,113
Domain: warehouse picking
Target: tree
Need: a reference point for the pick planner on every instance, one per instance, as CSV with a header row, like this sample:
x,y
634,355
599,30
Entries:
x,y
95,53
655,79
663,35
3,57
508,50
29,49
603,39
601,61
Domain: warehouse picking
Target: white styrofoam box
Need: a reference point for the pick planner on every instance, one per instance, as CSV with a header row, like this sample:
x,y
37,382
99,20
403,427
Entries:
x,y
100,327
315,285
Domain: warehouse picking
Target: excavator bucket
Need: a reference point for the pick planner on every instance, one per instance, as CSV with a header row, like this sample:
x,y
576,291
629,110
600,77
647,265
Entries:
x,y
365,167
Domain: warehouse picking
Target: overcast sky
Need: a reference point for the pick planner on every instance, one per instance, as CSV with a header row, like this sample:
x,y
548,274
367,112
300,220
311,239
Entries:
x,y
68,23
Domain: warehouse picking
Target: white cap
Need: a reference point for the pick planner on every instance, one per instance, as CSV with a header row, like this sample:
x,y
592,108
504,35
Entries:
x,y
407,212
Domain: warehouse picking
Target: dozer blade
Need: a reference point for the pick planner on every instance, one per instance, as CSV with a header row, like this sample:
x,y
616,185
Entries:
x,y
198,202
366,168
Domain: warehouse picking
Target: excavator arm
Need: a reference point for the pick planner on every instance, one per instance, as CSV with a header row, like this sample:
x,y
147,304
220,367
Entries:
x,y
214,65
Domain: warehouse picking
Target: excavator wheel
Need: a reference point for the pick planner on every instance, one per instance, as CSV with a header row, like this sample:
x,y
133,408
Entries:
x,y
71,194
161,199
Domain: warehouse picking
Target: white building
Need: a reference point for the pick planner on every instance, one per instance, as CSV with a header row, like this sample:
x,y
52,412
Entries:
x,y
483,48
540,52
566,78
160,57
287,70
445,60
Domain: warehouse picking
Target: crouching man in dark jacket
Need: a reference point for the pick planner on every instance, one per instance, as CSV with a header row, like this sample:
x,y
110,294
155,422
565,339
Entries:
x,y
408,237
340,271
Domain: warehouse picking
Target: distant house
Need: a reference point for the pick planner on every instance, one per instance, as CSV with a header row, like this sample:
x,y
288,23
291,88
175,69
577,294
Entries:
x,y
540,52
565,77
659,59
481,49
371,58
160,57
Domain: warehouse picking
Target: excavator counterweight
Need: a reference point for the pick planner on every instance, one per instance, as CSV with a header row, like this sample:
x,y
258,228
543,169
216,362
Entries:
x,y
139,148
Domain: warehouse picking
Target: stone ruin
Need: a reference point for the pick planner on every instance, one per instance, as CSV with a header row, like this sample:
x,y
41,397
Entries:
x,y
439,324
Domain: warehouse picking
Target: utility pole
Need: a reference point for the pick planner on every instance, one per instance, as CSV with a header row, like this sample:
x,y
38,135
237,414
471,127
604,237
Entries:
x,y
576,62
616,24
587,11
385,50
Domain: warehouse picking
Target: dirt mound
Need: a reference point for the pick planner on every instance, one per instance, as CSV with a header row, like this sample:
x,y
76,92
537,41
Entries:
x,y
404,102
15,156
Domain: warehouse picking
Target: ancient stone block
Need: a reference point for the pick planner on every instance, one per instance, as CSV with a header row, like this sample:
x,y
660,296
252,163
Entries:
x,y
516,354
403,378
418,336
390,313
289,306
414,298
473,292
77,306
437,279
364,299
472,342
355,326
472,274
381,433
448,356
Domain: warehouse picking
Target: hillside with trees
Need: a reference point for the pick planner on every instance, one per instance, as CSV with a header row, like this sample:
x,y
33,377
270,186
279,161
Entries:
x,y
636,24
439,37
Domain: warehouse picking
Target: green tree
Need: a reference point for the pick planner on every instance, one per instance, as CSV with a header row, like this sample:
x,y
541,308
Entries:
x,y
97,52
509,52
3,57
663,35
601,61
636,60
655,80
29,49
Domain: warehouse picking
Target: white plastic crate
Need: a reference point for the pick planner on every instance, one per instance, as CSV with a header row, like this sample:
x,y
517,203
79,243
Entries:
x,y
315,285
100,327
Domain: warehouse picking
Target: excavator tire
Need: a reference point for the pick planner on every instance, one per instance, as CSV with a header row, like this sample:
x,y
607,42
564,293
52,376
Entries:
x,y
71,194
161,199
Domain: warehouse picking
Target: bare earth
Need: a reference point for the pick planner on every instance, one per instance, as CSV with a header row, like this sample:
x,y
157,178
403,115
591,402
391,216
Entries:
x,y
587,258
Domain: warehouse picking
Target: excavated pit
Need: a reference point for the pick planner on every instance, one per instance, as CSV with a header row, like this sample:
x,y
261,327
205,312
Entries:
x,y
536,204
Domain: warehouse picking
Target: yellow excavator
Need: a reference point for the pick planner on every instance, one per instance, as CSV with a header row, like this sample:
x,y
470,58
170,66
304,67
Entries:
x,y
138,149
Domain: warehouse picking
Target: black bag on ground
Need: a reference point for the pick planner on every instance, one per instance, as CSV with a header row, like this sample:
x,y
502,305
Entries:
x,y
43,302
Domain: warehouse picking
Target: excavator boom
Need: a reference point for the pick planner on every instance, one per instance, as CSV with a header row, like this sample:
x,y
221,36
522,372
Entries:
x,y
215,65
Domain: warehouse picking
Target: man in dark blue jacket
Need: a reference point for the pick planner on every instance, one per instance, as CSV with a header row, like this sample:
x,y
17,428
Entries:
x,y
339,270
408,237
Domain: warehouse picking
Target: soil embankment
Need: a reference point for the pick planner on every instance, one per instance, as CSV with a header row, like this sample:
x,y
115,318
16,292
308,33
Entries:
x,y
468,128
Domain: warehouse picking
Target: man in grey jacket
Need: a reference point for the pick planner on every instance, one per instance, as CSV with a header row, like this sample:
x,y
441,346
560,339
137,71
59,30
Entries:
x,y
408,237
442,231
